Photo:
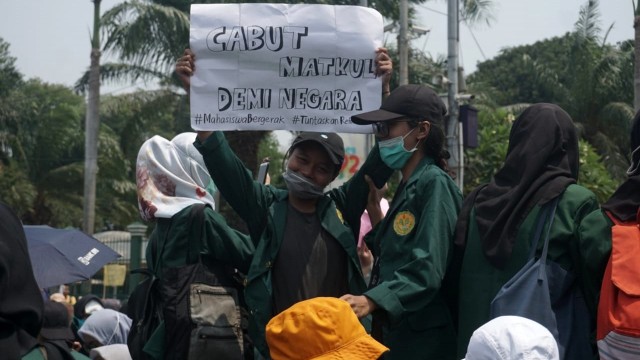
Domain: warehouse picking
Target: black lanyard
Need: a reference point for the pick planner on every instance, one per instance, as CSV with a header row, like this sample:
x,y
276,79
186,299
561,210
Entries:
x,y
375,269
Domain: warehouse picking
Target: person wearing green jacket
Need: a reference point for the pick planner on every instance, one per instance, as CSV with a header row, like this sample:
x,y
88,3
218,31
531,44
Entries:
x,y
305,239
171,178
498,219
413,243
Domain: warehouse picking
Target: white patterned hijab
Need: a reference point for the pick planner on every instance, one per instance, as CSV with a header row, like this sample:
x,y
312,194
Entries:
x,y
171,175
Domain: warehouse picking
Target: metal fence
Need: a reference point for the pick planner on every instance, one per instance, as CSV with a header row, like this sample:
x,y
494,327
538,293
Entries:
x,y
120,241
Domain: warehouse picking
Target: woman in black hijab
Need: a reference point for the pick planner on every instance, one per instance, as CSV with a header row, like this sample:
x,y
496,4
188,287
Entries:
x,y
494,228
20,299
618,339
81,311
625,202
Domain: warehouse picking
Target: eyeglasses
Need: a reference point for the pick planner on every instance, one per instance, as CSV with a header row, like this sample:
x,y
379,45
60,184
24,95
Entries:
x,y
381,129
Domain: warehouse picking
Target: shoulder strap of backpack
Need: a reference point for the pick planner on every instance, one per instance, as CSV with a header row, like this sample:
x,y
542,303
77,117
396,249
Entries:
x,y
196,223
225,273
613,218
154,247
546,214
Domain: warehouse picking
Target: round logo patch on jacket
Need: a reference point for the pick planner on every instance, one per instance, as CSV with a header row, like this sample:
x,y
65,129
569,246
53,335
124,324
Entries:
x,y
404,222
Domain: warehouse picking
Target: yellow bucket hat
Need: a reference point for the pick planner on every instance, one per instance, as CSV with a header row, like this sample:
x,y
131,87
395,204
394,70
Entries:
x,y
322,328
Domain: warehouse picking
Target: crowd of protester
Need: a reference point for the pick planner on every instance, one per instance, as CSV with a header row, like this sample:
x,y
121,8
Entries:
x,y
421,284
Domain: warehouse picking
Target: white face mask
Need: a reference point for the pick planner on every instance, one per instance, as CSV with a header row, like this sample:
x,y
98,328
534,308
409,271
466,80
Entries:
x,y
300,186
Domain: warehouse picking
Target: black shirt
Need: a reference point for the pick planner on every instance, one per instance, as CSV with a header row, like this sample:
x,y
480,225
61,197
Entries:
x,y
310,262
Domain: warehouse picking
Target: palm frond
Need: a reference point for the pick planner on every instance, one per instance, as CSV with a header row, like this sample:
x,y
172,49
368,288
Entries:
x,y
146,34
607,72
65,172
614,161
476,11
587,27
121,73
614,121
606,34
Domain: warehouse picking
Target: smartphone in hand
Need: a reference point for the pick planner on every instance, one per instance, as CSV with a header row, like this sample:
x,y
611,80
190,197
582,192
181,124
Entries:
x,y
263,169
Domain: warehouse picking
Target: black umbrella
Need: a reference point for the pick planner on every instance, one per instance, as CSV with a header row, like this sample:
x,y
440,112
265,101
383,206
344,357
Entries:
x,y
62,256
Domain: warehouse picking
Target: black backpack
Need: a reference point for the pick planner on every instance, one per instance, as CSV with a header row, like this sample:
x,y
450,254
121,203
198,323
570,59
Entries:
x,y
202,307
144,307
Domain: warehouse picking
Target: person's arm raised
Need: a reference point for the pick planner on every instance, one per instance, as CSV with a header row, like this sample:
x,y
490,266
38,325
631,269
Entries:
x,y
384,69
185,67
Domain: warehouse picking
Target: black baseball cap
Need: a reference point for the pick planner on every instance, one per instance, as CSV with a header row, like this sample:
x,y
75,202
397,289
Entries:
x,y
414,101
56,324
331,142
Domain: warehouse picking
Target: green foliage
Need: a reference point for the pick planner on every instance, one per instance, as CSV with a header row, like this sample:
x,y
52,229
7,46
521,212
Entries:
x,y
475,11
146,34
422,68
41,168
591,80
9,75
45,135
526,74
484,161
137,116
593,174
15,188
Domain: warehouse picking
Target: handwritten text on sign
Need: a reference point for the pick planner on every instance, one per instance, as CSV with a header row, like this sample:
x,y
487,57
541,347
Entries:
x,y
276,66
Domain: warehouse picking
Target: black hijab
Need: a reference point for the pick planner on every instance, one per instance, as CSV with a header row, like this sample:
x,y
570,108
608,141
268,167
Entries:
x,y
79,307
21,303
624,203
542,160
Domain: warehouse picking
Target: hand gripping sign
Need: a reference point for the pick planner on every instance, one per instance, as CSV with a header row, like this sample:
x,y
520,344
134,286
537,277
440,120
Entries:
x,y
283,67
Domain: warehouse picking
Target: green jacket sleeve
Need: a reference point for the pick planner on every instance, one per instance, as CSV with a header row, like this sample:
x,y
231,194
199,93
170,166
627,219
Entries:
x,y
593,249
249,198
226,244
351,197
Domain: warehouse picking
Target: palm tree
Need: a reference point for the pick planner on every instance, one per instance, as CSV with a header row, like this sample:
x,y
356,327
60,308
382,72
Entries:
x,y
92,126
45,167
590,79
148,36
596,99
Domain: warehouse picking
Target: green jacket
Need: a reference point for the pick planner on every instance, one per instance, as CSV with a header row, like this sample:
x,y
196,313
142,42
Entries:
x,y
221,244
578,242
264,209
415,243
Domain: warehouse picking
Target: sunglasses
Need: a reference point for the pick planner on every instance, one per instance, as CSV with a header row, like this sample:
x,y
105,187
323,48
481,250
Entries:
x,y
381,129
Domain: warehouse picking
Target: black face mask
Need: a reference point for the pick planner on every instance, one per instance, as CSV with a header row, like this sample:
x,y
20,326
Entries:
x,y
300,186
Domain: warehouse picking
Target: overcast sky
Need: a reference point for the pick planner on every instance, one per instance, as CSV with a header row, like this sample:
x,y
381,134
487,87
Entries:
x,y
51,39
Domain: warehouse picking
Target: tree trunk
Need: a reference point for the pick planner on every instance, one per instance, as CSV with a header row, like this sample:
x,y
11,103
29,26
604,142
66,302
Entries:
x,y
92,126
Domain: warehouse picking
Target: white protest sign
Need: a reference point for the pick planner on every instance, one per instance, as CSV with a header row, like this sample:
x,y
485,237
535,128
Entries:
x,y
283,67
